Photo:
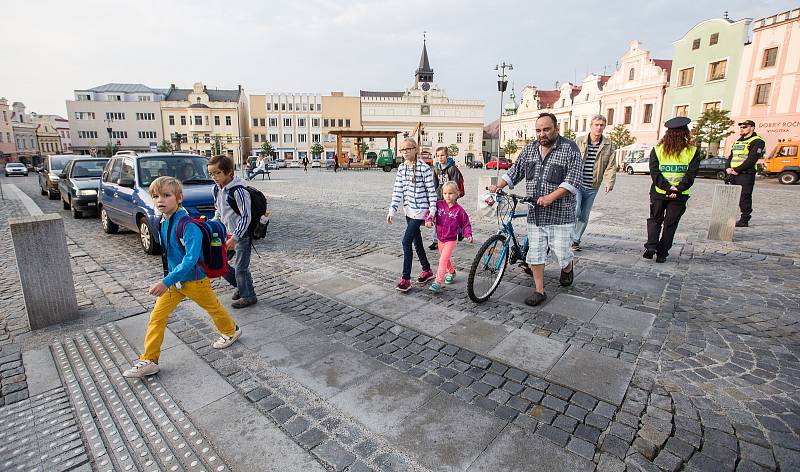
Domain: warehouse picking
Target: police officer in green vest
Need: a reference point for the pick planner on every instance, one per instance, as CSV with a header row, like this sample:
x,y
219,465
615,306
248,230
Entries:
x,y
674,163
745,153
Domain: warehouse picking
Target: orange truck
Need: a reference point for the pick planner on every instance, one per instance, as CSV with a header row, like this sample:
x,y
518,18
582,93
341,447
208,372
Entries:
x,y
783,162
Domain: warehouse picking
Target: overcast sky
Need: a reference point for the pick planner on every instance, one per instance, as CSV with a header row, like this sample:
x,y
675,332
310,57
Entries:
x,y
50,48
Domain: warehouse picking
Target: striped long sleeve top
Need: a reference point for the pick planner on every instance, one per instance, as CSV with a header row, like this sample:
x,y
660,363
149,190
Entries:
x,y
237,225
414,187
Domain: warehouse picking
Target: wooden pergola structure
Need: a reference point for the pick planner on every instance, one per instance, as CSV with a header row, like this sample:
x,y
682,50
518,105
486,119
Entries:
x,y
359,136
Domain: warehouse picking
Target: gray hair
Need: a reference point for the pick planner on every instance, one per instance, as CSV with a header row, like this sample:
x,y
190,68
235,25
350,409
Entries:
x,y
598,118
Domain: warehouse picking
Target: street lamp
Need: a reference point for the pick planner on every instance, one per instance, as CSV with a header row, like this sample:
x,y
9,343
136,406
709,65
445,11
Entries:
x,y
501,87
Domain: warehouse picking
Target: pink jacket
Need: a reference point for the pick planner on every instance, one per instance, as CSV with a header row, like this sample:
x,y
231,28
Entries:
x,y
450,220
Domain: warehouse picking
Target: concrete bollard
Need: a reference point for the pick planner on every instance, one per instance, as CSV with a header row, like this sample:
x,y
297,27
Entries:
x,y
45,271
724,210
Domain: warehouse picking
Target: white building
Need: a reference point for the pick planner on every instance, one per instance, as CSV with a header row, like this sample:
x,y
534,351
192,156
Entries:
x,y
24,134
290,122
445,121
125,115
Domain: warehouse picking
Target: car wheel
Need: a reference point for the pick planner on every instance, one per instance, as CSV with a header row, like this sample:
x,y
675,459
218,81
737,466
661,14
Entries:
x,y
629,170
51,195
149,243
387,168
109,227
77,214
721,175
787,178
64,204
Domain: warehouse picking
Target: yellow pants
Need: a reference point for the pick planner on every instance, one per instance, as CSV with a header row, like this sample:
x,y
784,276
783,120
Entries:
x,y
201,293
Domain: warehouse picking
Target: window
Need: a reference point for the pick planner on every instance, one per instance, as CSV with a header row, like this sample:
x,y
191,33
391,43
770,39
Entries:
x,y
255,138
269,106
305,106
325,122
273,138
287,137
147,135
229,139
84,98
315,138
227,120
710,106
114,98
628,115
183,120
716,70
685,77
472,138
198,120
583,128
84,115
301,122
287,122
216,120
263,121
576,125
714,39
631,74
346,123
315,121
255,121
648,113
681,110
119,134
283,106
302,138
341,123
275,107
610,116
115,116
144,98
458,137
273,122
762,94
263,138
291,106
206,138
696,44
145,116
440,137
770,57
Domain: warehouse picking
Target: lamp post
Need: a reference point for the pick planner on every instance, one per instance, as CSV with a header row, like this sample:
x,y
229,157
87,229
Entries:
x,y
109,122
502,83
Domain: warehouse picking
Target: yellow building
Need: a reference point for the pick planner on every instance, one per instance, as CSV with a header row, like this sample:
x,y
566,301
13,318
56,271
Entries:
x,y
291,123
47,137
340,112
208,120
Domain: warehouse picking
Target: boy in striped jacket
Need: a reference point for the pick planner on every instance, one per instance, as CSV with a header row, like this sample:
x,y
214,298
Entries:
x,y
414,186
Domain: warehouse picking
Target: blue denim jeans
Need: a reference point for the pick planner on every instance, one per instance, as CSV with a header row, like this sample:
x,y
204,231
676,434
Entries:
x,y
413,235
239,269
583,206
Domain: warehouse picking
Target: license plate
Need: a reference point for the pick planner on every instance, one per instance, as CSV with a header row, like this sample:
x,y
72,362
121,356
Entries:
x,y
91,204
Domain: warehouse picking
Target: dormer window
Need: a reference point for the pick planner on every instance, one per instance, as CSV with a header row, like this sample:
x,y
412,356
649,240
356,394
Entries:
x,y
198,99
631,74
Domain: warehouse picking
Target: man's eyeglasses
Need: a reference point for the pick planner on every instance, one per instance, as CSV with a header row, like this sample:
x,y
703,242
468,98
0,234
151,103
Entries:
x,y
407,149
744,126
214,174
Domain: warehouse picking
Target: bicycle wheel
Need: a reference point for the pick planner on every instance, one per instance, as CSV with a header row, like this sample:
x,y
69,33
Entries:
x,y
487,269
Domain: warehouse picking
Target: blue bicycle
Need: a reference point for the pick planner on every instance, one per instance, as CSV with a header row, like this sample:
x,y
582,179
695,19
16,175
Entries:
x,y
496,252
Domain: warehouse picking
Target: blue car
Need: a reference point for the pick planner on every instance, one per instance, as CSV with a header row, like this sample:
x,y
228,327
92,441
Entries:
x,y
124,201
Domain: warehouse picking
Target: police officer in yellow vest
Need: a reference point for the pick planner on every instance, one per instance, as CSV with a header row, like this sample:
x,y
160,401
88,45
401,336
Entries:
x,y
674,163
745,153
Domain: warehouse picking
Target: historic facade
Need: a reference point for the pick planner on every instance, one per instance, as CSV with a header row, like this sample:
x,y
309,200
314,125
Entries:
x,y
769,79
123,115
445,121
341,112
587,103
24,131
208,118
290,122
47,137
8,148
519,124
634,94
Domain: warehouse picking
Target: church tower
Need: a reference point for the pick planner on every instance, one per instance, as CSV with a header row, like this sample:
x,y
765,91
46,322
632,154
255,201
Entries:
x,y
424,74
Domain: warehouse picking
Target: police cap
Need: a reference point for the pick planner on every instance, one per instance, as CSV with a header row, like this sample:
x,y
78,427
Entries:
x,y
677,122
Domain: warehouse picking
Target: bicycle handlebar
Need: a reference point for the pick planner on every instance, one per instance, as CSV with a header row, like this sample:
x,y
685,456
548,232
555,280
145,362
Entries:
x,y
516,198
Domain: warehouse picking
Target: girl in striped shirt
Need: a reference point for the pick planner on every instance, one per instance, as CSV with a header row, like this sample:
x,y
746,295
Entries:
x,y
414,186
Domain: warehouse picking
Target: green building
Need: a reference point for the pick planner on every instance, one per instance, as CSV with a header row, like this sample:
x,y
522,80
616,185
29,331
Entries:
x,y
705,68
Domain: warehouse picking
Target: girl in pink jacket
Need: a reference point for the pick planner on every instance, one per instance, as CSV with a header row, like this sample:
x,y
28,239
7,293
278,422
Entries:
x,y
450,218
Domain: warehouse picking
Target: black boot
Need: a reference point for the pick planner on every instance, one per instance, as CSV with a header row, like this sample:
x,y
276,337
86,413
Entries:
x,y
742,224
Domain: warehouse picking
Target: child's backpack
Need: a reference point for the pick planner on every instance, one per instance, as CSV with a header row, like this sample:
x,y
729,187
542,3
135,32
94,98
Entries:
x,y
258,207
460,182
214,260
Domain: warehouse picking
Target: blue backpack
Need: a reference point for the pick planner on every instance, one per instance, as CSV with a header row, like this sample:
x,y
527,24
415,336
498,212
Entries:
x,y
213,260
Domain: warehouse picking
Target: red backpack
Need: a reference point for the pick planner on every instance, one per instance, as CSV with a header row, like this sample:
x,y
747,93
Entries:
x,y
213,260
460,182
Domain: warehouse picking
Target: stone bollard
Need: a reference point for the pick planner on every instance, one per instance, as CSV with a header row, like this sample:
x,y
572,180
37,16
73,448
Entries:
x,y
724,210
45,270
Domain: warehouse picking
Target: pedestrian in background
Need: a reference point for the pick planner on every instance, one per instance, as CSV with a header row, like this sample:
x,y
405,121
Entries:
x,y
741,168
674,163
599,164
305,163
414,188
445,170
452,221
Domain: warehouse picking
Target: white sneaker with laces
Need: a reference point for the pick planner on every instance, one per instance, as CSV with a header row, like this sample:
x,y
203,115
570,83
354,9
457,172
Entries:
x,y
141,369
225,341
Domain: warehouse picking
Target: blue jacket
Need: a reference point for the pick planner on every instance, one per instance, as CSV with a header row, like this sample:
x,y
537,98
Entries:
x,y
182,260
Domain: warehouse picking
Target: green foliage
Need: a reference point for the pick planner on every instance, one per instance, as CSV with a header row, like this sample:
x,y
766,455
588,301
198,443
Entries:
x,y
217,145
569,134
317,149
621,136
510,148
363,147
711,128
266,149
452,150
165,146
111,149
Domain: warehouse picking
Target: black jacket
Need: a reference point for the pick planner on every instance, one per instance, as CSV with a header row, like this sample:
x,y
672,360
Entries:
x,y
661,182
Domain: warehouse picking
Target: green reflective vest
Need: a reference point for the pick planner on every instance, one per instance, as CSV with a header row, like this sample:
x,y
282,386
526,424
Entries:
x,y
741,149
673,168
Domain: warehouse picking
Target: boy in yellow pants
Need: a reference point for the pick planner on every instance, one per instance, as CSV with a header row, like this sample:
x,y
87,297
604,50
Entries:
x,y
185,279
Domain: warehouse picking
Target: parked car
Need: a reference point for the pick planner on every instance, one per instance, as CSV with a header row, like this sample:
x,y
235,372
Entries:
x,y
638,162
272,164
293,163
475,164
15,168
504,163
78,184
48,177
315,162
713,167
281,162
124,201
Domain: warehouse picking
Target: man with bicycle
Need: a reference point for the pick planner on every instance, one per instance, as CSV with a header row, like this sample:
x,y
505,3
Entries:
x,y
551,167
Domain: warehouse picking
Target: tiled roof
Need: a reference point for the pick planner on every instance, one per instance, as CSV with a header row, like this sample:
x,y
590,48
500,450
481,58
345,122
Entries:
x,y
576,89
365,93
124,88
491,130
665,64
603,80
547,97
182,95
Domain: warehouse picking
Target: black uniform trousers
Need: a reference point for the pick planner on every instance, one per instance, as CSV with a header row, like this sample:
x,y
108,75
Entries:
x,y
663,222
747,182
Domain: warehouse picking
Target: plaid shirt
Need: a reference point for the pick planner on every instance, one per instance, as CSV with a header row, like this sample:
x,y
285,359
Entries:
x,y
543,175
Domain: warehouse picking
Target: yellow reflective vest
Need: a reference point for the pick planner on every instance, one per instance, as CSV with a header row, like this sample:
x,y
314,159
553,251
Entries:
x,y
741,150
672,167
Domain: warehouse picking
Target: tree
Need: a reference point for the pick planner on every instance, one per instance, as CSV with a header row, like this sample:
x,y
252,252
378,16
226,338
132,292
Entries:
x,y
317,149
452,150
266,149
712,127
217,145
363,147
621,136
165,146
569,134
510,148
111,149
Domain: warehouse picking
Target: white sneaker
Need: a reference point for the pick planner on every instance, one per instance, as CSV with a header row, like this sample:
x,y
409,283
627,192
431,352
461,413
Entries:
x,y
141,369
225,341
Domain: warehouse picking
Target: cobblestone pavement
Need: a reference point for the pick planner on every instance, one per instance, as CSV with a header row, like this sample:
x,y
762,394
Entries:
x,y
689,365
